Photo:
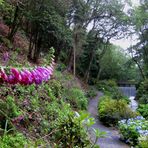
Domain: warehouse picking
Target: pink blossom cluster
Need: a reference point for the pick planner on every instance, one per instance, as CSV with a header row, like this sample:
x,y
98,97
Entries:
x,y
27,77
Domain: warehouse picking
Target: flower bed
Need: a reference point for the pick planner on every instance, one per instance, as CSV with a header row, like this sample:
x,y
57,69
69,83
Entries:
x,y
132,129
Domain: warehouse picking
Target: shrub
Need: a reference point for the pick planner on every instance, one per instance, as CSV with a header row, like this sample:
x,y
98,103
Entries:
x,y
66,79
8,110
142,93
91,93
56,110
9,141
56,88
71,131
68,128
105,85
111,89
143,142
143,99
76,98
111,111
132,129
61,67
18,140
143,110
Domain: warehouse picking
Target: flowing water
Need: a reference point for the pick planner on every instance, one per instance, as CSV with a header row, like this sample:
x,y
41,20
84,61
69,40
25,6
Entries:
x,y
131,93
128,91
133,104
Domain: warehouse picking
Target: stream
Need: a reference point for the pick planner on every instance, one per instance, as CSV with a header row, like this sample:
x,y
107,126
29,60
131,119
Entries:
x,y
131,93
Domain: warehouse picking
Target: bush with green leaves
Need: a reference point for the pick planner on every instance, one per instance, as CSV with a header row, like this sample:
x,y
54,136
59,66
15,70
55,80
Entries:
x,y
72,130
56,88
91,93
61,67
76,98
110,111
142,92
67,127
7,11
143,142
143,110
106,85
133,129
8,110
9,141
18,140
110,88
143,99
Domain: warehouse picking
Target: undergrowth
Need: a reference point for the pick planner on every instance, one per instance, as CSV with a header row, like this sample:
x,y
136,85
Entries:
x,y
44,114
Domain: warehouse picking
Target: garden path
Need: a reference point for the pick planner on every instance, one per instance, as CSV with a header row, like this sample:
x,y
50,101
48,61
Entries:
x,y
112,138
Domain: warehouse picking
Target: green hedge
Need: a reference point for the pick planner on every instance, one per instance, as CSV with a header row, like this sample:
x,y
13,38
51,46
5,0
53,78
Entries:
x,y
142,92
111,111
76,98
143,110
110,88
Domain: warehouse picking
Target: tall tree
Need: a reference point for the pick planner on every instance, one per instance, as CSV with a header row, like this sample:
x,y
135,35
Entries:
x,y
47,27
140,50
105,17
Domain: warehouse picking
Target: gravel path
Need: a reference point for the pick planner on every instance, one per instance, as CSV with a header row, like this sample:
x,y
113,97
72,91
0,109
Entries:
x,y
112,138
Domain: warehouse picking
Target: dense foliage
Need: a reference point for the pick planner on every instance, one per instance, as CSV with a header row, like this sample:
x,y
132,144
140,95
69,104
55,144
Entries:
x,y
111,111
111,89
76,98
140,50
18,140
143,110
142,98
142,93
40,111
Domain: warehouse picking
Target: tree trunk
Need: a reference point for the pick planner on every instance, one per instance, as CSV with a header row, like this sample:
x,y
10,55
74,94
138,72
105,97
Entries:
x,y
140,69
70,65
75,47
88,70
99,73
37,49
74,60
30,50
14,25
